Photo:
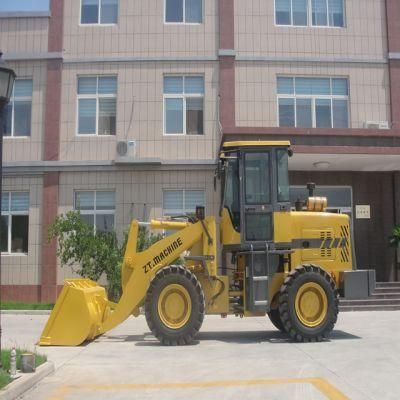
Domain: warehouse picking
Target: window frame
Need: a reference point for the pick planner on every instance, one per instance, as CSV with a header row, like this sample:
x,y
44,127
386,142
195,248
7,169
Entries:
x,y
183,96
12,103
98,23
309,17
313,98
94,212
9,214
184,15
203,190
97,97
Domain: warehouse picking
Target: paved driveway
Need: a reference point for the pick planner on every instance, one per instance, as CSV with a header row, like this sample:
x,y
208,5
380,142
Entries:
x,y
234,359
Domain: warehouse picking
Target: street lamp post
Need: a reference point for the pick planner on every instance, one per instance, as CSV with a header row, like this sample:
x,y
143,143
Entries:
x,y
7,78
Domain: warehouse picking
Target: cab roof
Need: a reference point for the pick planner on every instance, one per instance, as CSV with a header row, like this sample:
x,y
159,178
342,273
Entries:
x,y
256,143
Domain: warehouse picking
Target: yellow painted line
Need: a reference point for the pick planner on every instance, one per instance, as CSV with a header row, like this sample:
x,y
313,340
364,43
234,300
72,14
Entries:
x,y
320,384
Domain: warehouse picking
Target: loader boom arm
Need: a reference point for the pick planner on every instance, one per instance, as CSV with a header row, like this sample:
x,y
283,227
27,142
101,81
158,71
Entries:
x,y
138,269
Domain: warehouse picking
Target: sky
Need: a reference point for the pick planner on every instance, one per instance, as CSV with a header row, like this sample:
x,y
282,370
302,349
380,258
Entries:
x,y
24,5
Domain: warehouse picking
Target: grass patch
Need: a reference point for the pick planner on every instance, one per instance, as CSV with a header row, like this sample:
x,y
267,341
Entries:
x,y
11,305
5,358
5,378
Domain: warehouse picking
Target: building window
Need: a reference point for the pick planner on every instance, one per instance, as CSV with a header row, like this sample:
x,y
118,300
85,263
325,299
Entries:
x,y
14,222
184,105
18,112
182,202
184,11
99,12
309,12
97,105
313,102
97,208
24,6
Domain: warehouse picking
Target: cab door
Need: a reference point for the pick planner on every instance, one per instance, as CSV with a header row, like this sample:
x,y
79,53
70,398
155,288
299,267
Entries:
x,y
256,191
257,197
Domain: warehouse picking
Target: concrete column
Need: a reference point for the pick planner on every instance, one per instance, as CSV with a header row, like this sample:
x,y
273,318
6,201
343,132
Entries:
x,y
49,250
393,33
227,92
227,64
51,152
396,197
226,24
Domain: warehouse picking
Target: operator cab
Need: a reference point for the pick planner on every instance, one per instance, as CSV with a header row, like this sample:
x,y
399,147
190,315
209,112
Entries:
x,y
255,182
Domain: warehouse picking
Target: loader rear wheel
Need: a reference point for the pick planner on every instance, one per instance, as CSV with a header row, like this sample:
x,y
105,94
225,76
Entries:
x,y
175,306
308,304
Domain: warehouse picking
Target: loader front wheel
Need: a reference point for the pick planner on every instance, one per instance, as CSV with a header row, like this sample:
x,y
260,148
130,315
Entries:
x,y
175,306
275,318
308,304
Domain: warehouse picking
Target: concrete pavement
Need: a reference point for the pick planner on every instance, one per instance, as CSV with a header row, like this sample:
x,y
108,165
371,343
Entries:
x,y
234,358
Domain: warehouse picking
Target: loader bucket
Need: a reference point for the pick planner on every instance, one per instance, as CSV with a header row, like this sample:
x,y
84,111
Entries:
x,y
77,315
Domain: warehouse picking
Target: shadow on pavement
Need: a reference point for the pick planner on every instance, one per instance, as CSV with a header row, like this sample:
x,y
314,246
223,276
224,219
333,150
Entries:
x,y
339,335
240,337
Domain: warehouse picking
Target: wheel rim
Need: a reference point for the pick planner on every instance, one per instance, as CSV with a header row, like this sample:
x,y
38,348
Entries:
x,y
311,304
174,306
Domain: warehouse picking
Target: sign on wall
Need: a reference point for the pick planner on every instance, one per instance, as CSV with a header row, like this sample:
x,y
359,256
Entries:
x,y
363,212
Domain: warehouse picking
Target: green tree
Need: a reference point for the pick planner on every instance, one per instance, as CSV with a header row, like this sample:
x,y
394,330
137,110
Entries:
x,y
394,240
91,255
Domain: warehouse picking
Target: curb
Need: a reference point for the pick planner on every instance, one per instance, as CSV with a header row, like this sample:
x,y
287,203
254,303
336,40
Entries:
x,y
26,312
26,382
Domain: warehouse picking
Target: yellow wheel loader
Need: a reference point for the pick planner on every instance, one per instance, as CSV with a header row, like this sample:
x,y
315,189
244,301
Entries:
x,y
272,261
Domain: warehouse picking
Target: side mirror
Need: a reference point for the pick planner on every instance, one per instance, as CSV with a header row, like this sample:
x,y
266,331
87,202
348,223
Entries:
x,y
200,213
220,168
218,173
290,152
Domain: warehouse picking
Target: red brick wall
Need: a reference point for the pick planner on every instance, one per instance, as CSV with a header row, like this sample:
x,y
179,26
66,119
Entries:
x,y
22,293
371,236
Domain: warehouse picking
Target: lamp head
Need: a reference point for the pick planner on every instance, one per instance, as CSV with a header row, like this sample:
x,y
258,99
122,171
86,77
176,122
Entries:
x,y
7,78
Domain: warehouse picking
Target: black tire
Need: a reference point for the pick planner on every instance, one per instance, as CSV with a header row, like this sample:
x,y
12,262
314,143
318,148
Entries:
x,y
175,275
297,330
275,318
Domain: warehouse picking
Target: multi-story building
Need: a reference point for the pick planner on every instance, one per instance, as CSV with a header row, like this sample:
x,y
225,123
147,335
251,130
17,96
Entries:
x,y
120,107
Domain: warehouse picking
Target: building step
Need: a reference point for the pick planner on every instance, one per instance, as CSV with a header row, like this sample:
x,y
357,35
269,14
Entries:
x,y
394,296
369,301
385,290
388,285
386,297
370,308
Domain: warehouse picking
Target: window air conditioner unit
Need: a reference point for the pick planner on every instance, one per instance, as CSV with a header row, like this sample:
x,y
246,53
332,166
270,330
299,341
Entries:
x,y
126,149
376,125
